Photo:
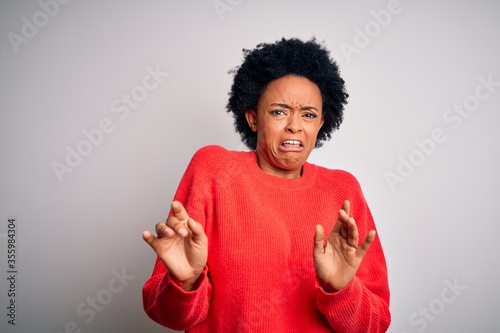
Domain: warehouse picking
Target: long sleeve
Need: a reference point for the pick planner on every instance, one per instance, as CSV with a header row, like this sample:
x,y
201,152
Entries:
x,y
169,305
163,300
363,305
260,274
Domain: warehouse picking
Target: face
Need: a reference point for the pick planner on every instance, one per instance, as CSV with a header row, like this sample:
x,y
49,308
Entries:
x,y
287,121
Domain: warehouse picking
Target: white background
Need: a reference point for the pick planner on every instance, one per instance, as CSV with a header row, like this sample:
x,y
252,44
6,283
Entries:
x,y
403,77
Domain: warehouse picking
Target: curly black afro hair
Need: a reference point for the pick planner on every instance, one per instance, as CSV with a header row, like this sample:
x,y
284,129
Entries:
x,y
268,62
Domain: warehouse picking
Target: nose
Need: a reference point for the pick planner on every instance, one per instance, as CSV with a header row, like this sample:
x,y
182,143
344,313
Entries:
x,y
294,124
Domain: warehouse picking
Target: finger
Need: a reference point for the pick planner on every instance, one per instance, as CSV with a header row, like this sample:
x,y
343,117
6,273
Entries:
x,y
163,230
178,222
337,227
345,209
343,221
150,239
178,227
352,232
147,236
196,228
346,206
179,211
361,251
319,239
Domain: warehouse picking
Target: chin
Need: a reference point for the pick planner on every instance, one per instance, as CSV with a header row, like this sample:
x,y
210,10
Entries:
x,y
292,163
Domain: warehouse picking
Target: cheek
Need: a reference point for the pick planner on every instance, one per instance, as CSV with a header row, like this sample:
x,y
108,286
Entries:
x,y
313,129
313,135
270,131
264,137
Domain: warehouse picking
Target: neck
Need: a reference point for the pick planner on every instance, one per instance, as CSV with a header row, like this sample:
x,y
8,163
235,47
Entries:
x,y
283,173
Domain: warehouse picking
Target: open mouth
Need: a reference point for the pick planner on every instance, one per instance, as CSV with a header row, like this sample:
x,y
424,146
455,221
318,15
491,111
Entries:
x,y
291,145
295,143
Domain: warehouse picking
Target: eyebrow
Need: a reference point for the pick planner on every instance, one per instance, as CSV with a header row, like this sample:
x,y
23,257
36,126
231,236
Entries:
x,y
286,106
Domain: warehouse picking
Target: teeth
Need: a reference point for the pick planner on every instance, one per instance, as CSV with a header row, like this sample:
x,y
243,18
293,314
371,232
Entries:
x,y
292,142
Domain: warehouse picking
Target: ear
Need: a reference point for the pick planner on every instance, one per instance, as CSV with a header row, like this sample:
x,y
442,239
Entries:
x,y
322,120
251,116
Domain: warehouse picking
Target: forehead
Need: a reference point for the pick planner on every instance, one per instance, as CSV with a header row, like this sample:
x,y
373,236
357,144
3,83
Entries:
x,y
292,89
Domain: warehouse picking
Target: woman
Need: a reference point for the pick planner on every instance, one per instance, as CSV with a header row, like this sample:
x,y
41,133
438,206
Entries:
x,y
263,241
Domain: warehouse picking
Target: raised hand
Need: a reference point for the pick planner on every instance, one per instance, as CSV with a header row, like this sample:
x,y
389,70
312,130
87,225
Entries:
x,y
181,244
337,260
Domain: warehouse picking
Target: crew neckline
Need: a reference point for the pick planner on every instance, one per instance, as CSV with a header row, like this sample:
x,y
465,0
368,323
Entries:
x,y
306,179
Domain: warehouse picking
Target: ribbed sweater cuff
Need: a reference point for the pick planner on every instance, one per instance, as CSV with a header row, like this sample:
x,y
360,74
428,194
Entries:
x,y
344,302
168,286
179,309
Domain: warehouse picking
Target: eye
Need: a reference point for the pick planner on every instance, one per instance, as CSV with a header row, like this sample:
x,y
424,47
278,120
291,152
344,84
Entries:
x,y
278,112
310,115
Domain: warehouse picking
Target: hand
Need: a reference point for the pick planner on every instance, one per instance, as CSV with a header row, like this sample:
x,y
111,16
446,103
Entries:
x,y
337,260
181,244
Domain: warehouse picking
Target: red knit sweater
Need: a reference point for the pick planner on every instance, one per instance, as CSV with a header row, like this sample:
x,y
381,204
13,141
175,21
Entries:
x,y
260,274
